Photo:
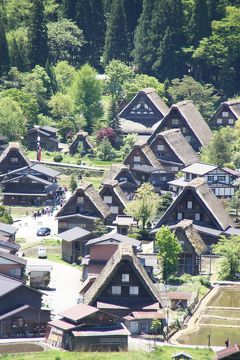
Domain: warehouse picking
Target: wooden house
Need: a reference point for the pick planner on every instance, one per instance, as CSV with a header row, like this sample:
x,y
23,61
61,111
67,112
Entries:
x,y
230,353
173,150
47,135
123,175
12,265
141,154
8,232
220,180
12,158
198,203
114,198
186,117
73,244
86,328
21,313
192,248
7,246
124,224
27,190
81,144
226,115
158,177
143,113
82,209
123,286
101,249
140,322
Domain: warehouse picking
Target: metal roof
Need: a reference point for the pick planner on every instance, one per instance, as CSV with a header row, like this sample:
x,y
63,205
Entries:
x,y
74,234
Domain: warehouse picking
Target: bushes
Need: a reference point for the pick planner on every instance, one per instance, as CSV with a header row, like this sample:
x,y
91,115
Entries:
x,y
58,158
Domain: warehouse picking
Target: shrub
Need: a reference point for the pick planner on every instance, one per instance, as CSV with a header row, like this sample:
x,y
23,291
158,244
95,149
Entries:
x,y
58,158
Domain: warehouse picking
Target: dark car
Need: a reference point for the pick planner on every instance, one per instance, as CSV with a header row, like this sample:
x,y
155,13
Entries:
x,y
43,231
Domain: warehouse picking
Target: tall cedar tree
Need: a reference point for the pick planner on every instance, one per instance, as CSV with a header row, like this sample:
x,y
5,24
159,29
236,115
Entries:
x,y
200,24
38,39
217,9
133,9
167,23
16,56
90,18
69,9
116,41
4,53
143,49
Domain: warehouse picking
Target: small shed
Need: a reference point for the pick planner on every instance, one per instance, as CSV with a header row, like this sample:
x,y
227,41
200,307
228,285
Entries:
x,y
182,356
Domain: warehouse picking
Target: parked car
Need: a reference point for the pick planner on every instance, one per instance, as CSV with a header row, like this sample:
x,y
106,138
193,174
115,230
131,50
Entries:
x,y
42,252
44,231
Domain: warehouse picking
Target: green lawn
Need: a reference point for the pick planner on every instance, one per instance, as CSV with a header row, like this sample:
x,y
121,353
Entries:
x,y
164,353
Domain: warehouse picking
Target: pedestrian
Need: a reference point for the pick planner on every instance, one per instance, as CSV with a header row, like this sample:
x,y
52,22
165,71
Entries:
x,y
227,343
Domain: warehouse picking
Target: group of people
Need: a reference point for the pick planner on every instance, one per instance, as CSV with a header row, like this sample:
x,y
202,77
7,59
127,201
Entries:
x,y
45,211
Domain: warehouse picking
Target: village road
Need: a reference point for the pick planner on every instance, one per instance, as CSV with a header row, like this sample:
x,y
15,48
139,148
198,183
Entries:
x,y
64,286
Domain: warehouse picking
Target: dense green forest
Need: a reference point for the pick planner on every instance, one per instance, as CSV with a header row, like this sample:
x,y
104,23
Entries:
x,y
52,50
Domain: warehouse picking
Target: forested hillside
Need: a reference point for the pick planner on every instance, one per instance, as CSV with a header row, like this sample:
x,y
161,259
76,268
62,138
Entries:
x,y
52,50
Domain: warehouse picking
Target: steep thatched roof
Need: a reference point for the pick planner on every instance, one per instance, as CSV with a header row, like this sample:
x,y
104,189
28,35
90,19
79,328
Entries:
x,y
124,252
143,125
179,145
233,106
14,146
115,170
115,188
94,197
147,152
192,117
208,199
186,229
82,135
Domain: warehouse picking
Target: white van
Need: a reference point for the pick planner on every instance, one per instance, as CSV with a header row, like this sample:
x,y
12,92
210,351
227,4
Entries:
x,y
42,252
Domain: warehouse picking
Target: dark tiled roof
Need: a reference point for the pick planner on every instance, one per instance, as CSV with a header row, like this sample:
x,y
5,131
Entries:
x,y
9,229
8,284
14,312
78,312
74,234
13,258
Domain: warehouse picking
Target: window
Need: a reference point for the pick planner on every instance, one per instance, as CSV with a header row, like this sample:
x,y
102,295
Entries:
x,y
189,205
188,138
14,159
197,216
174,168
17,322
219,121
184,130
231,121
160,147
125,278
116,290
137,159
114,209
122,179
210,178
175,121
80,200
221,178
62,225
134,290
225,113
179,216
16,272
107,199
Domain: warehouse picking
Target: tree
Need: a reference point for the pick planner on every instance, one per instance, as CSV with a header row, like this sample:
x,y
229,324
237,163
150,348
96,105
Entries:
x,y
128,143
116,44
69,8
144,206
106,133
203,96
234,203
27,103
200,24
73,183
38,39
105,150
228,248
164,202
65,75
5,216
87,92
143,49
12,119
4,53
219,150
142,81
65,127
99,228
91,20
61,105
19,49
169,250
65,41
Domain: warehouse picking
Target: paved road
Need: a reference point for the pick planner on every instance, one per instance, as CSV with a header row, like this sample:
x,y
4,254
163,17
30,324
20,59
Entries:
x,y
64,286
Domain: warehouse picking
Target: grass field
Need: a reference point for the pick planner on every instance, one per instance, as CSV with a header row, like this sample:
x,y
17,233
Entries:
x,y
163,353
